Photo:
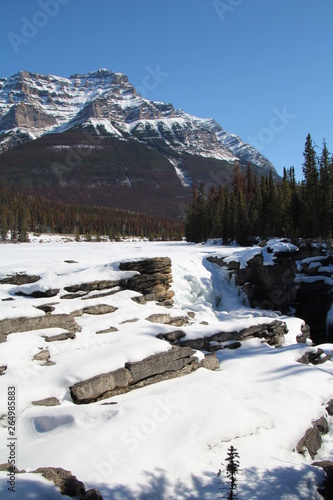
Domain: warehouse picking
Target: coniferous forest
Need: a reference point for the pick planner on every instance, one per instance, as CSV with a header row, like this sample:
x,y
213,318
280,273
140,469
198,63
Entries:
x,y
262,207
251,207
21,213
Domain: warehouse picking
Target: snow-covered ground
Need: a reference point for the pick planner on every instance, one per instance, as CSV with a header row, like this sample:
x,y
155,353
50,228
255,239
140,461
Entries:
x,y
167,440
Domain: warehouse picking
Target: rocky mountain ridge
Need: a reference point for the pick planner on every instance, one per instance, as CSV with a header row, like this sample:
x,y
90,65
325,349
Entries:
x,y
63,112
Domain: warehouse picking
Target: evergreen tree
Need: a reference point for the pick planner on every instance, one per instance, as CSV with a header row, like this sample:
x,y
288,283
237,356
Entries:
x,y
229,487
310,199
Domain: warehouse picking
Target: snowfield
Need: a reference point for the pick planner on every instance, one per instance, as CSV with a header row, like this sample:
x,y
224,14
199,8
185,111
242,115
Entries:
x,y
165,441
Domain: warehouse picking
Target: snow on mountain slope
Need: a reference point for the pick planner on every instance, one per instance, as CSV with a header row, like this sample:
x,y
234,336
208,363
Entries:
x,y
165,441
32,105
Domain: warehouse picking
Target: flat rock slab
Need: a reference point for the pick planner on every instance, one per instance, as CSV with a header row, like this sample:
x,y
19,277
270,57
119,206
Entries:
x,y
92,286
61,336
173,360
99,309
40,294
46,402
17,325
93,388
19,279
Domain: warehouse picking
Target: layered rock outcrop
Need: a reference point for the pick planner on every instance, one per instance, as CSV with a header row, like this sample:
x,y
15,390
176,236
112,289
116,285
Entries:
x,y
153,281
176,362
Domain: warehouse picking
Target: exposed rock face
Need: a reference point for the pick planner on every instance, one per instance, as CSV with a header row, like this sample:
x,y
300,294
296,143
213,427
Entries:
x,y
176,362
312,440
267,287
68,484
154,280
272,333
326,490
285,285
16,325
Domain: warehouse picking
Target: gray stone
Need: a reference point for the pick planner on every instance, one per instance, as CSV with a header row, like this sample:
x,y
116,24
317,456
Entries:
x,y
166,319
304,336
48,309
60,336
312,440
43,355
172,360
210,362
108,330
172,337
3,369
40,294
51,401
99,309
97,387
314,357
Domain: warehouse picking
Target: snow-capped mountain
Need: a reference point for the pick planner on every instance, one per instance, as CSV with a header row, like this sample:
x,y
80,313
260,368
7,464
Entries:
x,y
106,104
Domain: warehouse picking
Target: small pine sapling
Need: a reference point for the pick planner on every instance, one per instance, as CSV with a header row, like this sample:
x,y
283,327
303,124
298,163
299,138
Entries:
x,y
229,486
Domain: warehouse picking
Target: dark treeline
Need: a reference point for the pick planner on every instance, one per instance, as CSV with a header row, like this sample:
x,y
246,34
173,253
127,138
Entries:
x,y
21,212
261,207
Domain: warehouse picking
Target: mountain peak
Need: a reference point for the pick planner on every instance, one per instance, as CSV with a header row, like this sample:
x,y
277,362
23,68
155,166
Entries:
x,y
99,73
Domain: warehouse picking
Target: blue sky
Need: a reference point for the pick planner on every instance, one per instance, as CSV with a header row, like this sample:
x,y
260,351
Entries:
x,y
262,68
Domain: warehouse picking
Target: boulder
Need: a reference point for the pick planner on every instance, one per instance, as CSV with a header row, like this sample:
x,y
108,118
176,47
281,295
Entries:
x,y
172,337
312,440
43,355
317,357
210,362
304,336
67,483
100,386
3,369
